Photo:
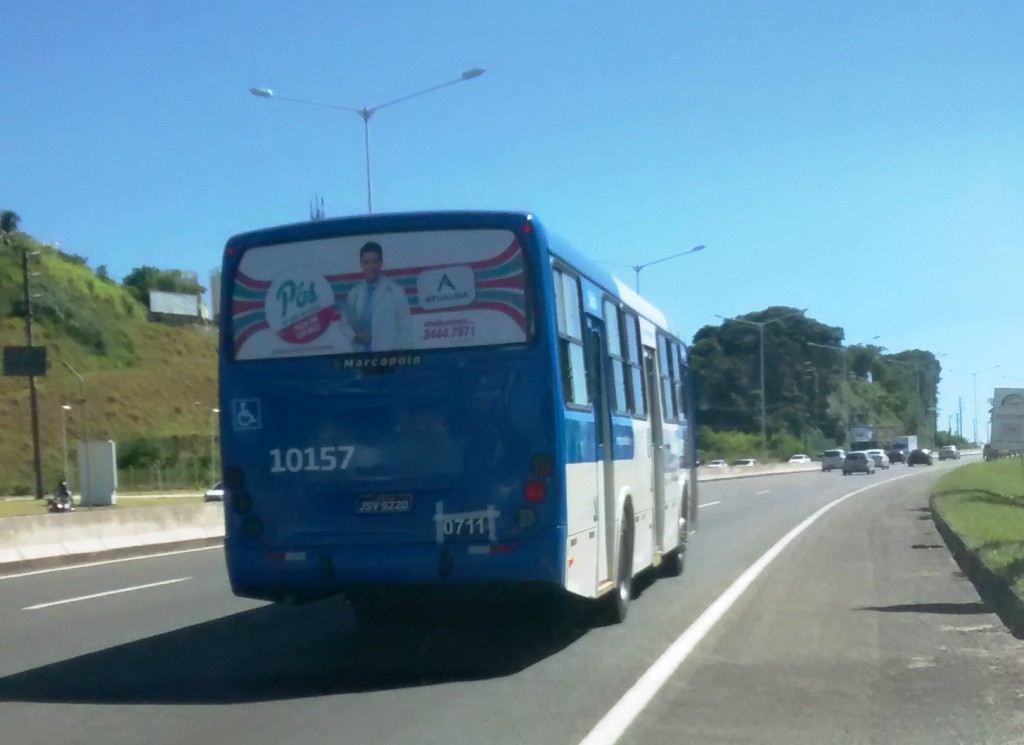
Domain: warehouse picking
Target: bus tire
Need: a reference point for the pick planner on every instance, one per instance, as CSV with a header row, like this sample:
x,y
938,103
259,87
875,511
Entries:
x,y
618,600
673,562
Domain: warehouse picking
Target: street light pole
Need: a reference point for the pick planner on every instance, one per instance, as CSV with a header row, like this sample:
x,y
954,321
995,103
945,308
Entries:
x,y
64,409
760,327
368,111
637,267
846,377
85,485
213,457
974,375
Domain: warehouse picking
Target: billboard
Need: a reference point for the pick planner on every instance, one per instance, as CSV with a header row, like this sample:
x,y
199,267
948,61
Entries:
x,y
1008,420
385,292
177,304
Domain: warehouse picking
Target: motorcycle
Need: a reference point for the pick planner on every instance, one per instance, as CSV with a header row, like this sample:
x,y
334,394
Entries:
x,y
60,504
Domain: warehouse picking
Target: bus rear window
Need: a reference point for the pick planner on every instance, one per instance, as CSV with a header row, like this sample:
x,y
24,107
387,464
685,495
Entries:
x,y
385,292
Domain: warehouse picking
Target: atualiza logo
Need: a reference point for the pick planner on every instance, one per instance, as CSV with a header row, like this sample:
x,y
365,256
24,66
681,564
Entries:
x,y
446,292
451,287
300,306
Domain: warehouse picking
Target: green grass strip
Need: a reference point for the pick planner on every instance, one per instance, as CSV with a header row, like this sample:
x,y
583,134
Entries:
x,y
984,504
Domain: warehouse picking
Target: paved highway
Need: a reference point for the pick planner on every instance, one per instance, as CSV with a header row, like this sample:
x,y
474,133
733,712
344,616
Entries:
x,y
860,630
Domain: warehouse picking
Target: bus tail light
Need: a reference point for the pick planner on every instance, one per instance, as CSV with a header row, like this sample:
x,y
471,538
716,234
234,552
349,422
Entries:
x,y
526,518
535,491
241,502
542,465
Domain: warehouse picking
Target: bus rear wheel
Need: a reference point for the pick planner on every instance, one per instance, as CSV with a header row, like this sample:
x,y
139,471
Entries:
x,y
617,603
673,562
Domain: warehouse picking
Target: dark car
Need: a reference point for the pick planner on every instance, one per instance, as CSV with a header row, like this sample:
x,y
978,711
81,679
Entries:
x,y
920,457
897,455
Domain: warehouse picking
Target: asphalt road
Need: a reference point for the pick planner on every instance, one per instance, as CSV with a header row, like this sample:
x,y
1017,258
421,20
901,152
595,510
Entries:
x,y
860,630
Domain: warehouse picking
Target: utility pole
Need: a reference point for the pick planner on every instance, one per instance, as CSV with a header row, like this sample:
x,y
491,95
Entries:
x,y
960,417
33,400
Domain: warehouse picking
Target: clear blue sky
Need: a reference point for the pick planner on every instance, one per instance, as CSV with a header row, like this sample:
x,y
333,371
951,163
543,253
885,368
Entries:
x,y
864,160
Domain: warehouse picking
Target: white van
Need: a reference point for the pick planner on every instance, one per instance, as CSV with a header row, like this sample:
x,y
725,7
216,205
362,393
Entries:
x,y
832,459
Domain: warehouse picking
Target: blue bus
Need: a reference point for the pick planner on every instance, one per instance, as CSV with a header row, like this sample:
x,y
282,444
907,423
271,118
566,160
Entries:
x,y
450,399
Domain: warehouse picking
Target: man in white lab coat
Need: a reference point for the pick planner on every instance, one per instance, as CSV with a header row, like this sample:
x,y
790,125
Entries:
x,y
382,320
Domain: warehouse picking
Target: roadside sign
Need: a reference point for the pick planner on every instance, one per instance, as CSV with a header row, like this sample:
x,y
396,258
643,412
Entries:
x,y
24,361
1008,420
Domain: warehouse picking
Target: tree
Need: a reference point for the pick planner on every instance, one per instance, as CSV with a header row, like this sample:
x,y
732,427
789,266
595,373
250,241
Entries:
x,y
799,377
9,221
144,279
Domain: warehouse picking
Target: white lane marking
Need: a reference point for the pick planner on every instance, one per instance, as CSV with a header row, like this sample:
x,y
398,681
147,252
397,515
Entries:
x,y
635,700
710,504
764,491
108,592
108,561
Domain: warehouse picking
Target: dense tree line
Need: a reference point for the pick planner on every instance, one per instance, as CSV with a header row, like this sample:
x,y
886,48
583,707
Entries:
x,y
816,388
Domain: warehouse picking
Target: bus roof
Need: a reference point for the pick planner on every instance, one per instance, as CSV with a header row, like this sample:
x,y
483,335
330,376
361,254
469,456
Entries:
x,y
313,230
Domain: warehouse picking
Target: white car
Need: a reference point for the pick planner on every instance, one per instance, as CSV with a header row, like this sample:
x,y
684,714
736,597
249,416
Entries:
x,y
880,458
215,493
800,458
717,464
744,462
831,459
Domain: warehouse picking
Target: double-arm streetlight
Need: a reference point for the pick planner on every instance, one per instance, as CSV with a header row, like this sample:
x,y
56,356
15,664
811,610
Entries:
x,y
760,327
368,111
637,267
846,376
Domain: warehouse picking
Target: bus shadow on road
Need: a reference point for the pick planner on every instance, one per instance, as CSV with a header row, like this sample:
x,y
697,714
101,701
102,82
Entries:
x,y
280,652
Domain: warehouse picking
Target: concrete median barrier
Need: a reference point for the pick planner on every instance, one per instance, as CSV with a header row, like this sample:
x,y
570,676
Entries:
x,y
741,472
35,538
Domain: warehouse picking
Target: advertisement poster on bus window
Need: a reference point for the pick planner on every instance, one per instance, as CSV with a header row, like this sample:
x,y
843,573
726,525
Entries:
x,y
386,292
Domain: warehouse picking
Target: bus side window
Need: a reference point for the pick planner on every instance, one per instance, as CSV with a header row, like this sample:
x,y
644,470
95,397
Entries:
x,y
620,402
636,390
570,339
668,399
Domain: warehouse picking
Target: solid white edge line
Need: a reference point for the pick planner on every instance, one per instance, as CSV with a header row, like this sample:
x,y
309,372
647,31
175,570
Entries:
x,y
613,724
108,592
709,504
107,561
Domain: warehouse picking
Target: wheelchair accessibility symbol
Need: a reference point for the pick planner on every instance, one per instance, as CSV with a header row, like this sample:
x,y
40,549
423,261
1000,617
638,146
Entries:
x,y
246,413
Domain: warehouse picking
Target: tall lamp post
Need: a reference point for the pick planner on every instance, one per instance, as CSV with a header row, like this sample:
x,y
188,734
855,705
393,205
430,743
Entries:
x,y
85,485
64,409
213,451
368,111
637,267
760,327
846,376
974,375
934,408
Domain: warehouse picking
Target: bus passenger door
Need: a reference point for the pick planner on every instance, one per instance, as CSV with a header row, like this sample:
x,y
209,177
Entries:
x,y
658,449
597,371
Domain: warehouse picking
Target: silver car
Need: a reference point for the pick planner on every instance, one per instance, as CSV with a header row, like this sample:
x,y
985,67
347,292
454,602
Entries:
x,y
832,459
880,458
858,461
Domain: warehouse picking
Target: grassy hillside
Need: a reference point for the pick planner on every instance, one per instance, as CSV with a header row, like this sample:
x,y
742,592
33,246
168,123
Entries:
x,y
143,380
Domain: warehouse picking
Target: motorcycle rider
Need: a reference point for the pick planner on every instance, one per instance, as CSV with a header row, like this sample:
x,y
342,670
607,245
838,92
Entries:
x,y
64,495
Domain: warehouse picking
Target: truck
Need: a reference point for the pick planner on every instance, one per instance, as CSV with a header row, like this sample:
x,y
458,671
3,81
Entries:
x,y
901,448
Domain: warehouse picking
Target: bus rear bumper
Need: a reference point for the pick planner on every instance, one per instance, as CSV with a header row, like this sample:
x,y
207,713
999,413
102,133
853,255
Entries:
x,y
309,573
